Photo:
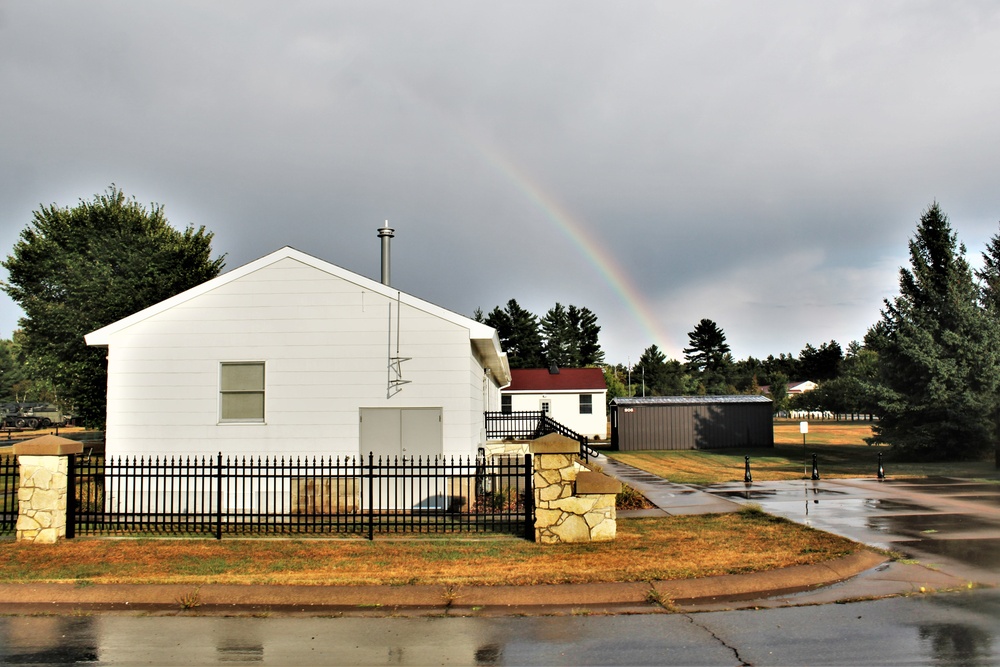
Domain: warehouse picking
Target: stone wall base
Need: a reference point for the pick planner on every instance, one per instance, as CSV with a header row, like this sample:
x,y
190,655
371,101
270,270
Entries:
x,y
572,504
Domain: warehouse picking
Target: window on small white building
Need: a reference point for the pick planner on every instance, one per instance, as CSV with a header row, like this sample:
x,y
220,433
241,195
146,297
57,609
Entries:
x,y
586,404
546,406
506,405
241,392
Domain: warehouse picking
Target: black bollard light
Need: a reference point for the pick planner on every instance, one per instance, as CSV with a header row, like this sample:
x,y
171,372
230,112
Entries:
x,y
815,468
747,478
881,470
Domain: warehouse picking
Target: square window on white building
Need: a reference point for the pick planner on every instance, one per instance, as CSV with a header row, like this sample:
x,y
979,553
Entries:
x,y
241,391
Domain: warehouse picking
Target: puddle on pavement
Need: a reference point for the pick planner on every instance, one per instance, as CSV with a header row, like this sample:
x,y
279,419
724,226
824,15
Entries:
x,y
916,525
895,505
960,488
922,481
664,493
779,494
983,553
986,499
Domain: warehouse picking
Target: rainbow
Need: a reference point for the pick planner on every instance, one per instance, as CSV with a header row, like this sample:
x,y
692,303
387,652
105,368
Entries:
x,y
574,230
584,241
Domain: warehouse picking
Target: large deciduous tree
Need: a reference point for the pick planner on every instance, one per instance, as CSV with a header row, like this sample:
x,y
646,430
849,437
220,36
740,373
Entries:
x,y
939,368
74,270
778,392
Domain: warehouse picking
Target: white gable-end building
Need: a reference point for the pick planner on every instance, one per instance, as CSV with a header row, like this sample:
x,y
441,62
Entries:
x,y
574,397
291,355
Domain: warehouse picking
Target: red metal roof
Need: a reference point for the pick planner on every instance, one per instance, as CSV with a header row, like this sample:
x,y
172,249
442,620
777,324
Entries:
x,y
567,379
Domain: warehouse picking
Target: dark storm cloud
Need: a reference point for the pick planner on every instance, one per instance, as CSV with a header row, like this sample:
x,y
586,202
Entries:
x,y
759,164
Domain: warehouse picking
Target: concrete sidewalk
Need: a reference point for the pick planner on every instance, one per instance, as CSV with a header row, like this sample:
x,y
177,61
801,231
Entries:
x,y
669,498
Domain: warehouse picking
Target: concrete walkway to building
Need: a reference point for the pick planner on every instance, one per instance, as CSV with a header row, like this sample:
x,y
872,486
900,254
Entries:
x,y
669,498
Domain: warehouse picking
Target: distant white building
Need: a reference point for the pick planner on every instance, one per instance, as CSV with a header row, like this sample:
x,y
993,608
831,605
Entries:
x,y
574,397
292,355
793,387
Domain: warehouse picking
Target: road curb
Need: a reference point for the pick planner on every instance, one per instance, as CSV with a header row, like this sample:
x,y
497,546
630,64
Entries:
x,y
236,599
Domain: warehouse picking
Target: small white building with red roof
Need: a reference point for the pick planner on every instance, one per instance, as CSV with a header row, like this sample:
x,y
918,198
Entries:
x,y
574,397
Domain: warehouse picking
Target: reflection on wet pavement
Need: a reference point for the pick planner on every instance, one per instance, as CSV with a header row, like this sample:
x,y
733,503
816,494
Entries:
x,y
919,481
933,523
939,518
750,494
960,488
984,553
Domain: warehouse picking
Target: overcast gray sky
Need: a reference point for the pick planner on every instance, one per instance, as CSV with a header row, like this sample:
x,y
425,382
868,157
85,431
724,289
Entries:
x,y
761,164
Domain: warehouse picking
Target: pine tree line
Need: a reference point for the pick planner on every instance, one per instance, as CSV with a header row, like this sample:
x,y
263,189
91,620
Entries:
x,y
565,336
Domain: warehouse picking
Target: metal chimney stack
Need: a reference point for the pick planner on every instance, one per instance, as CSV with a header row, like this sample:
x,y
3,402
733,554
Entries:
x,y
385,233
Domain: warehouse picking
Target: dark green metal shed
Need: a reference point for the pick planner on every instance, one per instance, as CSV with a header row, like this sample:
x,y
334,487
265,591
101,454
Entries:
x,y
691,422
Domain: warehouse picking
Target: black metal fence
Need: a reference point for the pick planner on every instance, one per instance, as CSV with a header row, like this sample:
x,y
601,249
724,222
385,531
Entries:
x,y
531,424
248,496
10,478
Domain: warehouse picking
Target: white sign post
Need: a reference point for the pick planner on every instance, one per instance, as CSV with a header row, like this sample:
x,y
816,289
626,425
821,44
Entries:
x,y
803,429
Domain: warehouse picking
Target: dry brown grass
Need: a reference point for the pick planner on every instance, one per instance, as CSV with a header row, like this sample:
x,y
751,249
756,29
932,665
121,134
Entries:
x,y
646,549
822,433
839,446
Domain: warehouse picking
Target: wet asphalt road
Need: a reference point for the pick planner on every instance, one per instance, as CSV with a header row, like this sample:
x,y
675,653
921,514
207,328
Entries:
x,y
945,629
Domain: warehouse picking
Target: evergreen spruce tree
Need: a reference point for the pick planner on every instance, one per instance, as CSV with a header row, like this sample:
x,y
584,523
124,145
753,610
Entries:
x,y
560,338
989,278
822,363
658,375
938,362
708,346
989,296
709,359
650,372
517,329
587,348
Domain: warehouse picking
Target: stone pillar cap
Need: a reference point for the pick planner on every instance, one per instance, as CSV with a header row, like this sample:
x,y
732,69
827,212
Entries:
x,y
48,445
596,482
554,443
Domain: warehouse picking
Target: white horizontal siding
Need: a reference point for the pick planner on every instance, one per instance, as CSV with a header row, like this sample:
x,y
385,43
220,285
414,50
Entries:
x,y
325,343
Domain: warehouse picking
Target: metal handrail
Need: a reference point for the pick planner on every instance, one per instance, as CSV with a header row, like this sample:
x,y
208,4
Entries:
x,y
531,424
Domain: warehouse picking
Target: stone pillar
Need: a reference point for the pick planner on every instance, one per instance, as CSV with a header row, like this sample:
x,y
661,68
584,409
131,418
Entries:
x,y
41,499
572,504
